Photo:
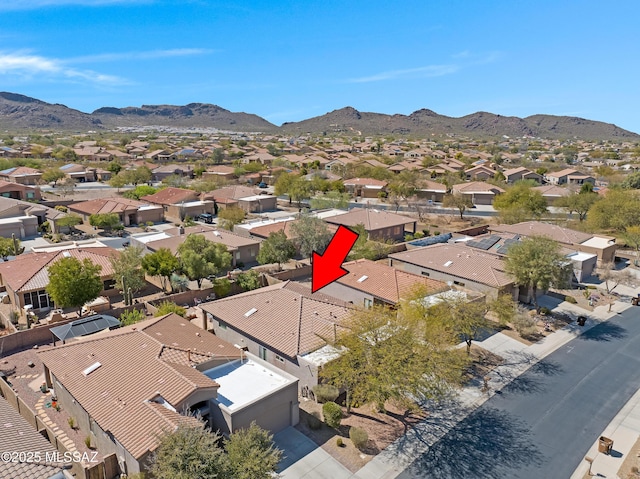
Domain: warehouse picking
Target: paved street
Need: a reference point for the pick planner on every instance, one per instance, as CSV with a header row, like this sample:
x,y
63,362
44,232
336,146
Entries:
x,y
544,422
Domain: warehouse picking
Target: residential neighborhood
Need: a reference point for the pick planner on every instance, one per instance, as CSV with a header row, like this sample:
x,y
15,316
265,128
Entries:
x,y
156,283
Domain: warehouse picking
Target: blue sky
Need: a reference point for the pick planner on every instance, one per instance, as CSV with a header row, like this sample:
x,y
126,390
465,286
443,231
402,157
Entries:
x,y
291,60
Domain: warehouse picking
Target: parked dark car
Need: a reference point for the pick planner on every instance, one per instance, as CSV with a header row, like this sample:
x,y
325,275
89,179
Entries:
x,y
262,185
206,218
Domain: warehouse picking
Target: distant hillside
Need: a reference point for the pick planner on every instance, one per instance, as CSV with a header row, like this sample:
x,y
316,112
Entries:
x,y
19,112
191,115
423,123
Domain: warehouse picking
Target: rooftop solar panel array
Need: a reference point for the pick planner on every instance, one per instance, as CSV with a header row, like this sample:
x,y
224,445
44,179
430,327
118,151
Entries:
x,y
484,243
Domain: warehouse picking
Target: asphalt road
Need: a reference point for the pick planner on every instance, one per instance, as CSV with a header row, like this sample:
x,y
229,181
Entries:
x,y
544,422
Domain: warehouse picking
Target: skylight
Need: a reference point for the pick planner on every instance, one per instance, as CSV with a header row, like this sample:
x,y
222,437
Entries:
x,y
448,263
216,233
250,312
66,254
363,278
91,369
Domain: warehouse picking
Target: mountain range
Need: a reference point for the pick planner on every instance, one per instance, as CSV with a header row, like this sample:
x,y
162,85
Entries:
x,y
20,112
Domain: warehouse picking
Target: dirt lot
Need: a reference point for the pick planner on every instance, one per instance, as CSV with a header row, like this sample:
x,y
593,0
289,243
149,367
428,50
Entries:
x,y
630,468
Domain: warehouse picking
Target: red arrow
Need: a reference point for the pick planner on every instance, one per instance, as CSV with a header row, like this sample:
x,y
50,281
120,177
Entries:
x,y
327,267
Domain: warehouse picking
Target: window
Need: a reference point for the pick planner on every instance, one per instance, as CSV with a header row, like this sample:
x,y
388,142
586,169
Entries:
x,y
458,283
222,326
237,255
30,195
38,299
279,358
424,273
109,284
262,353
397,230
368,303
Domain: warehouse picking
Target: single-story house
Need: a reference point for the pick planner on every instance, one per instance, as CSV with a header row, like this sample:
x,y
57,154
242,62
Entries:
x,y
162,172
568,176
79,173
21,174
521,173
178,203
19,191
431,191
281,324
478,192
379,224
370,283
552,192
459,265
130,212
365,187
249,199
26,277
127,387
480,172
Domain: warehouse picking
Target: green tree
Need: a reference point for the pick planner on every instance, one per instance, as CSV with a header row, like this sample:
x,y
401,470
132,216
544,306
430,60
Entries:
x,y
631,181
118,181
201,258
114,167
167,307
519,203
466,319
300,189
332,199
536,263
277,248
189,452
134,316
140,191
68,221
229,217
67,187
579,203
618,210
249,280
386,355
128,272
161,263
632,238
283,183
461,202
142,174
10,247
252,454
73,283
310,234
365,248
105,221
52,175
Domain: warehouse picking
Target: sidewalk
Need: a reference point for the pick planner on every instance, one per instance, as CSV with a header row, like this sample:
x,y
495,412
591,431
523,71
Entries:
x,y
624,430
518,358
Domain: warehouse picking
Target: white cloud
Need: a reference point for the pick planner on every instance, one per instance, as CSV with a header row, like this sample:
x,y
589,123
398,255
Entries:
x,y
144,55
27,65
420,72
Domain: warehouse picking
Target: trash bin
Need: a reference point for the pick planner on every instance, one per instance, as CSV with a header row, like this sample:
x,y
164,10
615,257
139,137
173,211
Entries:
x,y
605,445
634,301
582,320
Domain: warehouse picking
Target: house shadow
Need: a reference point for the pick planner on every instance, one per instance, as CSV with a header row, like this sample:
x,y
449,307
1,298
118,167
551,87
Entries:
x,y
603,332
294,446
480,446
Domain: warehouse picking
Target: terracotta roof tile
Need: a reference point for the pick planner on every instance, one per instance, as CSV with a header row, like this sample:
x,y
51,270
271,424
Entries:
x,y
132,372
171,196
385,282
284,320
372,219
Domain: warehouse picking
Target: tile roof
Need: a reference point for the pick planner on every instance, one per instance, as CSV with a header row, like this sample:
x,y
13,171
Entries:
x,y
459,261
538,228
231,240
385,282
29,272
552,190
477,187
20,171
371,218
561,173
233,192
427,185
106,205
265,230
18,435
171,196
133,370
285,319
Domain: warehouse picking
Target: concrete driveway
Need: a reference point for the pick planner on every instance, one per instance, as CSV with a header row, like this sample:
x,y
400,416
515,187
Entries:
x,y
304,459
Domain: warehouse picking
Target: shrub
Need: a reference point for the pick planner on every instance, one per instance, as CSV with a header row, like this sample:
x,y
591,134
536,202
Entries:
x,y
131,317
87,442
72,423
221,287
339,442
436,233
545,311
523,323
167,307
325,393
570,299
332,414
314,422
418,235
359,437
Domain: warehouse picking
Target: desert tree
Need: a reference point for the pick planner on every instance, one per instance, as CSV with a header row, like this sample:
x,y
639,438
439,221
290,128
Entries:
x,y
73,283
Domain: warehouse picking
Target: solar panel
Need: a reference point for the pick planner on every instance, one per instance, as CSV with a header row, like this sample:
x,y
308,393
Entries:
x,y
506,245
484,243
